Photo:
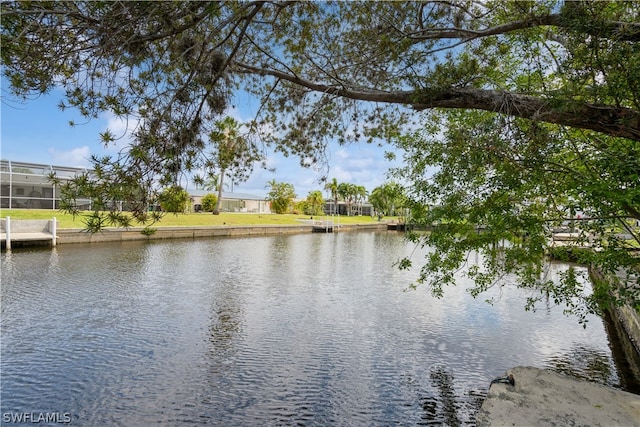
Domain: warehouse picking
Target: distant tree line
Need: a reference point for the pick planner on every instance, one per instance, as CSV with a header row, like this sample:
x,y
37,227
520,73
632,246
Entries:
x,y
388,199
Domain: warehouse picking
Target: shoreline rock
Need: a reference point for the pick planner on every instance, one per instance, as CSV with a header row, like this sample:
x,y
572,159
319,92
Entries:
x,y
541,397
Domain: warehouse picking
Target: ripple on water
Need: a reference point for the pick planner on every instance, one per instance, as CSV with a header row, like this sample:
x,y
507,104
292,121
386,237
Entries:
x,y
304,329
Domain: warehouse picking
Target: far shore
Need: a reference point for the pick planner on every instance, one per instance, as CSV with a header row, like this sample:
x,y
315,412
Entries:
x,y
201,219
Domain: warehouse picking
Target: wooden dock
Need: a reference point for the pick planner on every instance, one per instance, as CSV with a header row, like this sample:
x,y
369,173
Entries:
x,y
320,226
323,227
397,226
27,230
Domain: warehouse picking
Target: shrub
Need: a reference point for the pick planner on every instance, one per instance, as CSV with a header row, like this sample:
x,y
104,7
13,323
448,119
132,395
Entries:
x,y
281,196
209,202
300,208
174,199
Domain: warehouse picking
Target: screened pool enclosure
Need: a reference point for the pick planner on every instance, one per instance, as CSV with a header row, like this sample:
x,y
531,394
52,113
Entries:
x,y
27,185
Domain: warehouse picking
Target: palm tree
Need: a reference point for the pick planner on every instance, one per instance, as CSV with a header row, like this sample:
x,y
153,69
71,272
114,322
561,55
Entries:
x,y
388,197
347,192
315,202
230,144
281,195
332,188
271,185
211,184
361,196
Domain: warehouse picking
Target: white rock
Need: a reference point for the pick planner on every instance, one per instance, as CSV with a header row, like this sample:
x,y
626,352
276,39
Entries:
x,y
545,398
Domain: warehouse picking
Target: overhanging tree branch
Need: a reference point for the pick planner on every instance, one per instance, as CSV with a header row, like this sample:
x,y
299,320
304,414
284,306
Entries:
x,y
609,120
621,31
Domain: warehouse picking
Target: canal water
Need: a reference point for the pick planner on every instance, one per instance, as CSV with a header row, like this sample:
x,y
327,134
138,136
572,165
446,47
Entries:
x,y
309,329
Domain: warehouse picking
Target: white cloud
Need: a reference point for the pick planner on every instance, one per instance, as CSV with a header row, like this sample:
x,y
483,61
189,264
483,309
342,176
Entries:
x,y
340,174
76,157
341,154
122,129
361,163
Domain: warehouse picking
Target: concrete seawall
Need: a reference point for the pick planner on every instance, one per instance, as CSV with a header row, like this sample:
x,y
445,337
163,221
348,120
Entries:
x,y
627,316
631,321
66,236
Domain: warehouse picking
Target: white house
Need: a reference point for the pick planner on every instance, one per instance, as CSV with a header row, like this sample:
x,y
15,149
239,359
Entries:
x,y
232,202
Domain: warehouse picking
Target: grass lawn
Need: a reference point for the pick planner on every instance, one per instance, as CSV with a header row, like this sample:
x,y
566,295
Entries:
x,y
187,220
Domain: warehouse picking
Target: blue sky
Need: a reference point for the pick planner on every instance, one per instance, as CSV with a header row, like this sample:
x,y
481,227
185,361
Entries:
x,y
37,131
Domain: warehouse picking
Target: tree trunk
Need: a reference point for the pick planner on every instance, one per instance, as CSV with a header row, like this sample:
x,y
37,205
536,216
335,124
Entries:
x,y
216,211
609,120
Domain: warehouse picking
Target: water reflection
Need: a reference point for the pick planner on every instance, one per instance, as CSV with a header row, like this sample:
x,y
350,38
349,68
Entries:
x,y
442,379
304,329
584,362
226,318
